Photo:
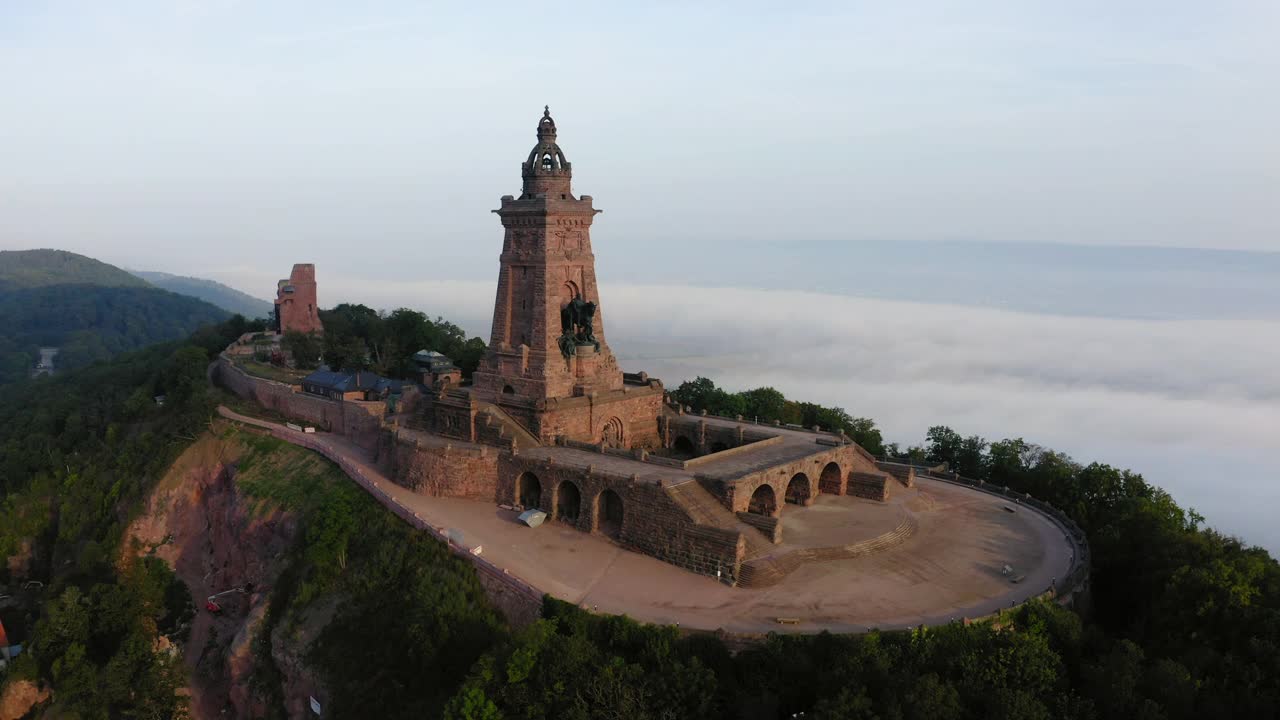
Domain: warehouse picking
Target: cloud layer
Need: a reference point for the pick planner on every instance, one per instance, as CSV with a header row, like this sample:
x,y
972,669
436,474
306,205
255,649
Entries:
x,y
1194,404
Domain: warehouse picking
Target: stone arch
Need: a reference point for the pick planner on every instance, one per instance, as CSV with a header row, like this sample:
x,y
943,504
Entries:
x,y
830,480
569,292
684,446
508,390
613,434
529,491
763,501
718,447
568,502
799,490
609,513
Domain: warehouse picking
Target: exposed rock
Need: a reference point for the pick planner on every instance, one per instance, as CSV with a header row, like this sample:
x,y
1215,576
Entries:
x,y
206,529
19,564
19,697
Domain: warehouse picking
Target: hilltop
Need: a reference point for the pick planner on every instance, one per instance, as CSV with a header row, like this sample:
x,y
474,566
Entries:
x,y
87,309
227,298
23,269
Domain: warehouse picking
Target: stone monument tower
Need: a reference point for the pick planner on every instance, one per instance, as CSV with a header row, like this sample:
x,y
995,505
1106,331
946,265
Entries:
x,y
548,338
296,308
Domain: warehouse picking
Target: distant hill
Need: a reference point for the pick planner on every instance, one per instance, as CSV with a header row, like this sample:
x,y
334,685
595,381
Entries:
x,y
87,309
227,298
39,268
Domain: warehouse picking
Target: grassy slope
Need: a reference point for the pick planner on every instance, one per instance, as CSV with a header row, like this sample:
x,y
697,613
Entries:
x,y
421,615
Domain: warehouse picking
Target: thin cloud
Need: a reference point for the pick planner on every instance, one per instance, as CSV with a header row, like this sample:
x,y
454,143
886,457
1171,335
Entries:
x,y
1192,404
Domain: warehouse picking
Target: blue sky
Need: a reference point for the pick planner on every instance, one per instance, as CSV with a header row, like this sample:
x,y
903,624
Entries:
x,y
270,127
1053,220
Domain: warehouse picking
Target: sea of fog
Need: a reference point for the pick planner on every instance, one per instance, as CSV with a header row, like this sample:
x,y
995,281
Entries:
x,y
1165,361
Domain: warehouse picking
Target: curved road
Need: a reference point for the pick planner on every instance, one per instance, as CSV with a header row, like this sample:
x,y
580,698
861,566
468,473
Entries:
x,y
949,569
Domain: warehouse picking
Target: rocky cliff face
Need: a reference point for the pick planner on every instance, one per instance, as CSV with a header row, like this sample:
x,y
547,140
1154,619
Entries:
x,y
218,539
19,697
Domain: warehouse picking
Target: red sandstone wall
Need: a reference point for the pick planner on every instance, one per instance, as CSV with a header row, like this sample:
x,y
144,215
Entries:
x,y
520,602
707,438
362,422
652,522
299,310
584,419
359,420
873,483
443,471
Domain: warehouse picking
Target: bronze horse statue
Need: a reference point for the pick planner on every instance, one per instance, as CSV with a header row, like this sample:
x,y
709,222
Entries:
x,y
577,320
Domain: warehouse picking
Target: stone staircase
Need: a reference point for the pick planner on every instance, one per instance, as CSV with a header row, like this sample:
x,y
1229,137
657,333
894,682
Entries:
x,y
507,425
704,509
769,570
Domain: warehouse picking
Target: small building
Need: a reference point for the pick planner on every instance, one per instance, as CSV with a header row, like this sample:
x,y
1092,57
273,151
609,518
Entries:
x,y
350,385
438,371
360,384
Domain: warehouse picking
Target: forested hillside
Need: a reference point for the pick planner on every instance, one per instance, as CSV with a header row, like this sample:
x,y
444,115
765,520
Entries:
x,y
38,268
1185,622
77,454
86,309
214,293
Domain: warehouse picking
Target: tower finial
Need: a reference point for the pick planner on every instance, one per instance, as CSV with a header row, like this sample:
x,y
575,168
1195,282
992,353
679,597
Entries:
x,y
546,111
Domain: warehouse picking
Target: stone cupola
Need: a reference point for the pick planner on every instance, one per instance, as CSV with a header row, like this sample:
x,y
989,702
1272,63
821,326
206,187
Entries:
x,y
546,172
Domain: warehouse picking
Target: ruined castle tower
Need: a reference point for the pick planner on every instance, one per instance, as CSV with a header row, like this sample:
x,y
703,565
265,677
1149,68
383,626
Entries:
x,y
296,307
548,337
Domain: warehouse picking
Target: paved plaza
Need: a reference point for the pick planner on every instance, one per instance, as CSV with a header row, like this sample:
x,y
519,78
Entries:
x,y
950,567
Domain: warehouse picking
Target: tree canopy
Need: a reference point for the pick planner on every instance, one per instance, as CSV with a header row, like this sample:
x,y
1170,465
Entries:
x,y
357,337
767,404
1184,621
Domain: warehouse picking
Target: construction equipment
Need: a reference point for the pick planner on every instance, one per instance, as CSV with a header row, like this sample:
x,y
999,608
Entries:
x,y
211,603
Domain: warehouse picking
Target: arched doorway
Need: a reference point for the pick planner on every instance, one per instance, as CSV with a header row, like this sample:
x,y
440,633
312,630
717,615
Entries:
x,y
763,502
611,436
798,490
683,447
609,509
829,481
530,491
568,502
508,390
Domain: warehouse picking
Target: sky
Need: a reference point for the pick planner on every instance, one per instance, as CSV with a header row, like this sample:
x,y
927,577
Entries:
x,y
1059,221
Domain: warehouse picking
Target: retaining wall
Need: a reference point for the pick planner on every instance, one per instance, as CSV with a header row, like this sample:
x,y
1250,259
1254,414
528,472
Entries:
x,y
448,470
356,419
519,602
652,522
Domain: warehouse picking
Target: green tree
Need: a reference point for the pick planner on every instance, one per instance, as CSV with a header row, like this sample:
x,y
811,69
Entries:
x,y
305,348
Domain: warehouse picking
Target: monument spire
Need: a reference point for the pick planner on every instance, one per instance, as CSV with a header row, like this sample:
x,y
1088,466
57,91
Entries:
x,y
548,332
546,170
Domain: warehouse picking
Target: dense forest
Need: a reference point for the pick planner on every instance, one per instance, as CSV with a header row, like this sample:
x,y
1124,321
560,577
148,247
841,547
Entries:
x,y
24,269
78,453
1186,619
1185,622
357,337
88,323
87,309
